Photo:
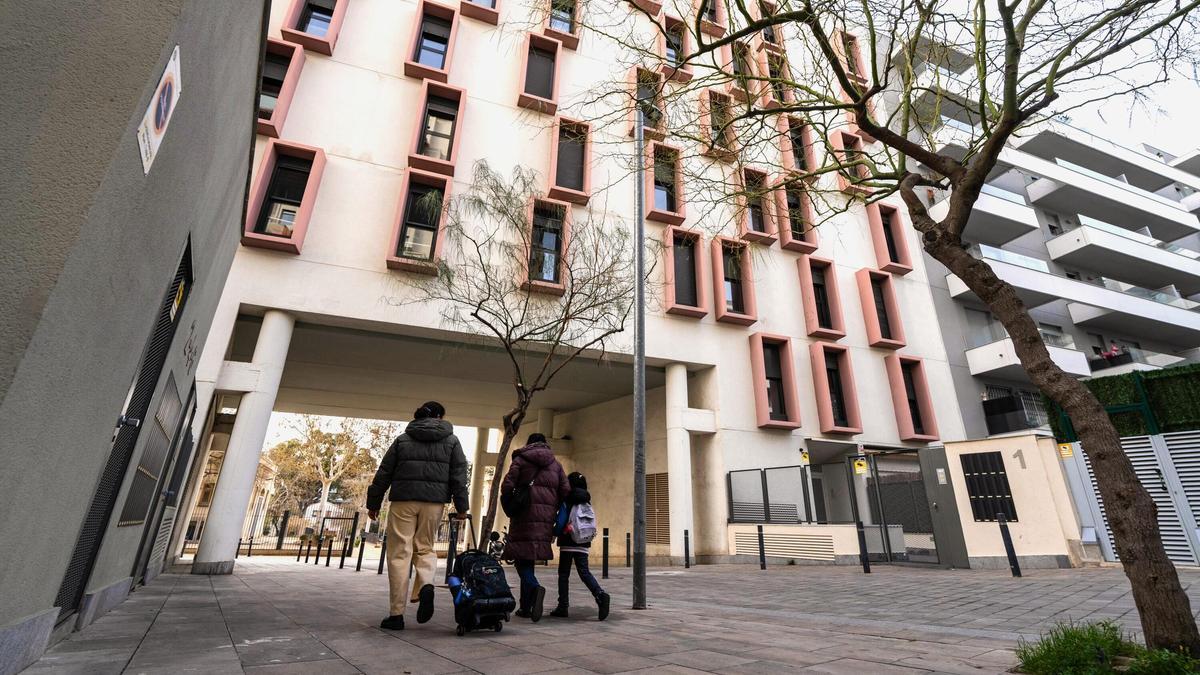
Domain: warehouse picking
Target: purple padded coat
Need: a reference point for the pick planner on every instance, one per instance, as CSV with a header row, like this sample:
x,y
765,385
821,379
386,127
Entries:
x,y
529,535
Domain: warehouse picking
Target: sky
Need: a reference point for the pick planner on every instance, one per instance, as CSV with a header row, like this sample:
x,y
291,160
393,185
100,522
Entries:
x,y
1171,127
283,427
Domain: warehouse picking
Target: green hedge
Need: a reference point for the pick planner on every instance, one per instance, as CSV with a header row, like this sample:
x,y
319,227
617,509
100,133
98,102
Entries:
x,y
1172,394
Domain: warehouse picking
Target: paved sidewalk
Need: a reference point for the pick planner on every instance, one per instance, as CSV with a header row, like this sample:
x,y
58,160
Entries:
x,y
278,616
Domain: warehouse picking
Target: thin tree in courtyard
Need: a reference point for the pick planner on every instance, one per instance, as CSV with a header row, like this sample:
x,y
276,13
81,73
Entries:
x,y
814,108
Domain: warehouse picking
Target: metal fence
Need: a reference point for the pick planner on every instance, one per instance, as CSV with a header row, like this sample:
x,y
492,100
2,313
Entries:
x,y
774,495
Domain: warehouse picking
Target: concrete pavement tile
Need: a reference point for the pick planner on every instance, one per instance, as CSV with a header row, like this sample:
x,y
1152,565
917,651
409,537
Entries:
x,y
609,661
515,664
798,656
703,658
856,667
950,664
759,668
323,667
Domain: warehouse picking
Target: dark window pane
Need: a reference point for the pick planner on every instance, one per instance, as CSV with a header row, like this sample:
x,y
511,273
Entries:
x,y
539,77
754,203
684,254
719,120
799,154
545,247
422,211
648,100
562,16
438,139
889,236
708,9
284,194
795,206
735,300
885,325
569,170
665,196
773,369
316,17
674,39
837,399
910,391
850,47
777,74
274,71
434,42
821,298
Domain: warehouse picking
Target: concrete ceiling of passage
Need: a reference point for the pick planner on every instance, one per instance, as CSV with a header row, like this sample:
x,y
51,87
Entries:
x,y
350,372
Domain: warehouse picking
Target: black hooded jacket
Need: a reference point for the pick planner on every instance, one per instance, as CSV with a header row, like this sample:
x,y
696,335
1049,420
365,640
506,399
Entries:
x,y
425,464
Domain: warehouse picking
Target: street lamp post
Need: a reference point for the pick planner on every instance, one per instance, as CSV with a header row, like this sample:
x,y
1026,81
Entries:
x,y
639,375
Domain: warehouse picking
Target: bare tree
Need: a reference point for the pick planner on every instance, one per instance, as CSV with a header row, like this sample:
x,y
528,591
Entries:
x,y
331,456
529,277
816,107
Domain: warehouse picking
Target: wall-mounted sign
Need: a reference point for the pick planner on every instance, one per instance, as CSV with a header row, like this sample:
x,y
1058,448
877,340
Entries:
x,y
941,476
860,466
158,113
1066,450
804,457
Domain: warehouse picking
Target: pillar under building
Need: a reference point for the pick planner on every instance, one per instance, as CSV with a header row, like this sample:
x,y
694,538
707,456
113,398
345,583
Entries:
x,y
679,458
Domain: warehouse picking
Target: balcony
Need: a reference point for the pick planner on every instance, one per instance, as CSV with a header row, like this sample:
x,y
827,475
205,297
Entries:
x,y
1140,168
1137,258
1103,303
1071,188
999,216
1129,359
941,92
999,358
1013,413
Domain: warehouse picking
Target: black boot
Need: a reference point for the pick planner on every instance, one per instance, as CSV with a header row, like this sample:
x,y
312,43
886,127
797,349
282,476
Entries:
x,y
535,605
425,608
602,602
394,622
559,612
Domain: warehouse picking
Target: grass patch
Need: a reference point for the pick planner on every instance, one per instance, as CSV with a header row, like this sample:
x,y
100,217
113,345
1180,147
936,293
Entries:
x,y
1097,649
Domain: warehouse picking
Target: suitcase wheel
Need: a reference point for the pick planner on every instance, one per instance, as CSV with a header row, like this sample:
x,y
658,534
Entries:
x,y
498,627
461,630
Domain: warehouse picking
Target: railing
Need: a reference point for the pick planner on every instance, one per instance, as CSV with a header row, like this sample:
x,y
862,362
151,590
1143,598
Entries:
x,y
1088,221
1145,357
999,254
1013,413
1007,195
996,333
1116,182
774,495
1062,120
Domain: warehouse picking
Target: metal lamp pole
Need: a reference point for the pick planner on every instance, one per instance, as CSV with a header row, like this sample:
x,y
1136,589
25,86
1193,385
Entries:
x,y
639,376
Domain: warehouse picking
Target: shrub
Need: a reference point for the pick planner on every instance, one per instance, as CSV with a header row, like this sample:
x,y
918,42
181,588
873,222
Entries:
x,y
1163,662
1075,649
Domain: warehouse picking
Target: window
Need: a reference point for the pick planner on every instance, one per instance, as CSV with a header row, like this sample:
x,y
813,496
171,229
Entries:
x,y
432,42
822,302
685,293
987,486
775,396
561,23
797,136
570,162
717,125
851,56
316,17
314,24
280,73
757,223
911,399
887,236
663,184
649,101
877,293
837,396
709,10
673,43
481,10
776,404
685,273
273,72
881,314
435,147
770,32
539,84
833,382
281,203
733,281
797,233
546,243
735,298
712,15
910,393
741,63
821,297
416,240
780,76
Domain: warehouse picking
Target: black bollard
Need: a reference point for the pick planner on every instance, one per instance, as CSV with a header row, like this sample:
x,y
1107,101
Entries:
x,y
238,551
362,547
862,547
604,561
1008,545
320,543
762,550
250,547
687,551
628,550
283,531
329,552
299,551
382,554
307,550
345,550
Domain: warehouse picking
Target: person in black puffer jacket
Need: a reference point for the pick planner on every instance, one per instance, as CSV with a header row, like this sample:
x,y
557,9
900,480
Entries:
x,y
424,469
571,552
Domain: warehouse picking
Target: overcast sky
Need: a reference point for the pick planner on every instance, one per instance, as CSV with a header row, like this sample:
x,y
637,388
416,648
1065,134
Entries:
x,y
1171,127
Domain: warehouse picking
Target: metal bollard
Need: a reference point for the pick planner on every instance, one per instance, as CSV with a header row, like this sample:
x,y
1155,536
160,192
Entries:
x,y
862,547
283,531
687,551
382,554
307,550
342,560
329,552
1008,545
320,543
604,561
762,550
362,547
628,550
250,547
238,551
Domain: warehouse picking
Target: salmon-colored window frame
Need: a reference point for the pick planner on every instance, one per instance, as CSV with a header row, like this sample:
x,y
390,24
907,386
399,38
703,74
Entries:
x,y
677,216
713,29
769,99
568,40
273,126
839,140
840,39
671,235
875,220
394,259
758,371
648,6
419,70
422,162
725,151
766,198
747,91
657,132
805,265
894,363
258,195
548,106
767,10
786,147
809,239
321,45
557,191
866,295
538,285
749,315
668,70
480,12
819,354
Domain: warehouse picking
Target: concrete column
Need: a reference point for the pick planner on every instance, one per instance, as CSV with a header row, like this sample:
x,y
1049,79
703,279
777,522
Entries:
x,y
218,543
679,458
478,469
545,423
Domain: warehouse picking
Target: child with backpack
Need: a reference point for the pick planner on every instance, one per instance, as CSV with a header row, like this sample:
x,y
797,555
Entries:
x,y
576,527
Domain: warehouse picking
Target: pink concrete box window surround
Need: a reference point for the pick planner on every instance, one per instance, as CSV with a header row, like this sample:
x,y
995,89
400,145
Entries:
x,y
273,125
765,11
756,200
672,237
787,128
741,281
412,66
712,23
923,400
648,84
648,6
791,399
292,31
664,159
867,280
532,96
777,92
394,259
258,196
563,210
848,51
847,147
828,324
569,39
888,238
741,66
821,355
427,162
571,186
806,239
720,138
487,11
669,70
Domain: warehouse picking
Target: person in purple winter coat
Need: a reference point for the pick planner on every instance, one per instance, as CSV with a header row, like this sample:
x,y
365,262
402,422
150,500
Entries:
x,y
529,533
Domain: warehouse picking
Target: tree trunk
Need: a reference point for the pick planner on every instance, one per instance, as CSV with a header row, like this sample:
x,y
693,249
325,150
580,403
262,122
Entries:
x,y
324,504
1162,604
512,425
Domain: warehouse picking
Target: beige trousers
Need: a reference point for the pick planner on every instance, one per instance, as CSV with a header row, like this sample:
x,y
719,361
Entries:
x,y
411,529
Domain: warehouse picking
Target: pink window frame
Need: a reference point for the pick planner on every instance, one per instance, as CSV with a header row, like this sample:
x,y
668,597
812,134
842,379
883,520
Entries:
x,y
891,305
839,49
677,216
683,74
432,164
479,12
531,101
394,260
770,221
804,266
650,133
785,144
837,141
712,149
758,370
734,89
899,231
566,194
819,353
321,45
894,364
273,125
764,10
717,264
768,93
650,7
717,29
419,70
548,287
568,40
670,236
258,195
783,223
